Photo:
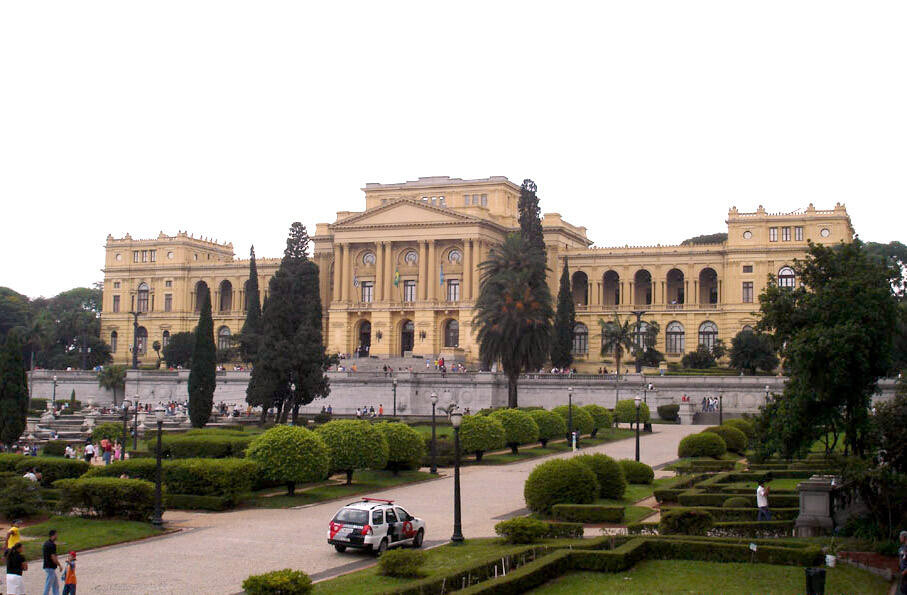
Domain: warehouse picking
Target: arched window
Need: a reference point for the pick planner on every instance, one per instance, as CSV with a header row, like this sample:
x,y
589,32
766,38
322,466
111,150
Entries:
x,y
708,334
580,288
452,334
226,296
747,329
708,286
642,281
641,336
113,341
165,338
611,289
223,338
141,340
201,288
142,300
674,338
675,287
786,277
580,339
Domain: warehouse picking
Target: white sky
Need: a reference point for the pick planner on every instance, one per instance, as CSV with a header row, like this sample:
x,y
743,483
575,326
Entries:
x,y
644,121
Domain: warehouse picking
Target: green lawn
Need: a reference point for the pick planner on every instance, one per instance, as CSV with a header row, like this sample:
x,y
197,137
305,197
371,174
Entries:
x,y
363,482
80,534
775,484
685,576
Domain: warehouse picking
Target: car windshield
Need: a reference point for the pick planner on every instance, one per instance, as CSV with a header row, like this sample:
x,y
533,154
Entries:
x,y
352,515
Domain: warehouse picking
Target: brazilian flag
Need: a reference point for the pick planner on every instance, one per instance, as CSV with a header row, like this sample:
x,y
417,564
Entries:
x,y
396,278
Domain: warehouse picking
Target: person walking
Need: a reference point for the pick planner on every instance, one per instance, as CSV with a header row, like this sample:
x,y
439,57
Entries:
x,y
89,452
15,564
69,575
51,563
765,514
12,536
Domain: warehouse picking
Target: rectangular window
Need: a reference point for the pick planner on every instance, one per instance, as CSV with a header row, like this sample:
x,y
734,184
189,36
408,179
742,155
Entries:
x,y
116,284
453,290
772,234
484,200
409,291
475,199
135,256
144,256
465,200
168,302
367,291
168,283
747,292
798,234
116,303
785,234
153,254
747,268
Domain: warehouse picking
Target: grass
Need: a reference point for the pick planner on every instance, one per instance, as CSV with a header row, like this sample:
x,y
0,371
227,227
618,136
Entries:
x,y
634,514
775,484
81,534
673,577
363,482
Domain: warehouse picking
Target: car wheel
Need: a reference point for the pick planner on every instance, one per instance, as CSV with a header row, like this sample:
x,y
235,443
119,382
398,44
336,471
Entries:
x,y
340,548
382,547
417,540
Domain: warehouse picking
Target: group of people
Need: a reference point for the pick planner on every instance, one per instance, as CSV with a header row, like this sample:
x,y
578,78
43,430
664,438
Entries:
x,y
710,403
16,564
369,412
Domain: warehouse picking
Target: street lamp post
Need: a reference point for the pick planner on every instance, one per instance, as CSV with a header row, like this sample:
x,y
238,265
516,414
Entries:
x,y
720,408
125,429
157,519
293,393
638,402
570,442
395,397
135,340
53,398
455,418
135,426
434,401
638,314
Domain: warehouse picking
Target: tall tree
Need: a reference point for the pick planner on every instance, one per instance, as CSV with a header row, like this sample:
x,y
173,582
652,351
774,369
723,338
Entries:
x,y
531,218
564,323
113,378
13,391
751,352
617,336
202,376
513,312
250,336
312,362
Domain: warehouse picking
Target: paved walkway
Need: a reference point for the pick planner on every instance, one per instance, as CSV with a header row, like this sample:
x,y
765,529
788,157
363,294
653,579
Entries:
x,y
218,551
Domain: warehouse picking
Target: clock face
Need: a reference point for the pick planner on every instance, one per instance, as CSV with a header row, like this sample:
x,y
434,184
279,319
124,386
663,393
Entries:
x,y
368,258
411,257
747,234
825,232
119,256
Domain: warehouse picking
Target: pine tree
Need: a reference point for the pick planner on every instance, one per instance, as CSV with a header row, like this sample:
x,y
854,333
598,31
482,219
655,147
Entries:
x,y
202,378
311,360
564,321
250,336
13,391
531,218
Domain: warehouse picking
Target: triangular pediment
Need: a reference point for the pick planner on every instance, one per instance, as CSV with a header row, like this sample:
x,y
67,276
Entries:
x,y
404,212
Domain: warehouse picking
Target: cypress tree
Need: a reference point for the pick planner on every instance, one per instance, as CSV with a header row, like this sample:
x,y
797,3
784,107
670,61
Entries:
x,y
13,391
250,336
202,378
531,218
311,360
564,321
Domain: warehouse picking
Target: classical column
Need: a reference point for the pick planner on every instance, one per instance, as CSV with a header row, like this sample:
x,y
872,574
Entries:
x,y
391,291
467,269
347,269
379,271
631,299
432,271
477,259
686,291
695,292
664,293
422,283
720,292
338,271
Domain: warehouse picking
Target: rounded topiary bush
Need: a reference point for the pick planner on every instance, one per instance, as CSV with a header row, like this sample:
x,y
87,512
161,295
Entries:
x,y
734,439
611,481
290,455
686,521
519,427
737,502
521,530
550,424
703,444
669,412
402,563
582,421
354,444
278,582
601,417
559,481
636,472
745,426
625,412
405,446
111,431
481,433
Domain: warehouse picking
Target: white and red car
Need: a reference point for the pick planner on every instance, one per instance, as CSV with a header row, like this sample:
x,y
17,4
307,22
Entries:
x,y
374,524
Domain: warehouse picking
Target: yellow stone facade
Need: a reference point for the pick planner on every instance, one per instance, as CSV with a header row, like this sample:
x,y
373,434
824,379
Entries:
x,y
401,276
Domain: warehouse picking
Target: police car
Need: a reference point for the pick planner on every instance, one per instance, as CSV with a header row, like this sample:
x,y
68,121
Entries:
x,y
374,524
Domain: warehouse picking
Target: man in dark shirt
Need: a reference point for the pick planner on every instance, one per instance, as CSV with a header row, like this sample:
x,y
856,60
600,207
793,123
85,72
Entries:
x,y
15,564
51,564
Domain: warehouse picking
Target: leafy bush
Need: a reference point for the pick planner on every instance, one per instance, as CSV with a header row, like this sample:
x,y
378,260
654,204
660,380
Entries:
x,y
278,582
354,444
481,433
54,448
19,497
558,530
636,472
669,412
522,530
610,476
519,427
37,404
703,444
736,502
734,439
582,421
550,425
402,563
203,445
131,499
9,460
291,455
700,359
588,513
625,412
52,468
405,446
601,417
444,451
685,521
744,426
560,481
111,431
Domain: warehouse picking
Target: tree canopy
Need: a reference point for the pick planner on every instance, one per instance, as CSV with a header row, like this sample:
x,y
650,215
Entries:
x,y
250,336
711,238
13,391
564,323
202,376
751,351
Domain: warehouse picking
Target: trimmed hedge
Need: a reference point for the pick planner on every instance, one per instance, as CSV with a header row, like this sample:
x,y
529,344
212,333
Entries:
x,y
625,412
600,416
688,521
733,438
54,448
354,444
550,425
131,499
291,455
278,582
669,412
608,472
747,513
405,446
190,502
745,426
703,444
636,472
519,427
402,563
753,529
587,513
559,530
582,421
522,530
9,460
559,481
53,468
481,433
19,498
736,502
697,497
202,446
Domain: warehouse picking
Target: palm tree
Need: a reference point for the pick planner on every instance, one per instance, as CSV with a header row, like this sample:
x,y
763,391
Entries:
x,y
617,335
514,312
113,378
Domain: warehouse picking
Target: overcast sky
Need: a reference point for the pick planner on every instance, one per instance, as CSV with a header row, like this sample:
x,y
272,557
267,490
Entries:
x,y
643,121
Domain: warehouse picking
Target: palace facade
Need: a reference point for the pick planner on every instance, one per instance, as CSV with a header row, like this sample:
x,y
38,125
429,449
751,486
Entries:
x,y
401,277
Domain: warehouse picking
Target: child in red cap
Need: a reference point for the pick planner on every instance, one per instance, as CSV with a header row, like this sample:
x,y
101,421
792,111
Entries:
x,y
69,575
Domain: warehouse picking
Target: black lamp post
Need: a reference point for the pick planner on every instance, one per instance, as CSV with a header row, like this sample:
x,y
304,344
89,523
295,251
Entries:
x,y
395,396
570,417
434,401
157,519
639,348
53,399
720,408
135,426
125,429
638,402
455,418
135,340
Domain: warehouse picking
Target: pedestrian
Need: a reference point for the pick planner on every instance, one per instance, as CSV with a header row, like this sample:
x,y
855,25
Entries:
x,y
89,452
51,563
762,502
12,536
902,563
106,450
69,575
380,409
358,413
15,564
117,451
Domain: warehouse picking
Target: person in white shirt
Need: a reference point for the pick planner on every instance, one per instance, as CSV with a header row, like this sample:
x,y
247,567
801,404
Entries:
x,y
31,476
762,502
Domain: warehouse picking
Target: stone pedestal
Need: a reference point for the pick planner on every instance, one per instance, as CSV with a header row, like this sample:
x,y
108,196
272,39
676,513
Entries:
x,y
686,413
816,506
